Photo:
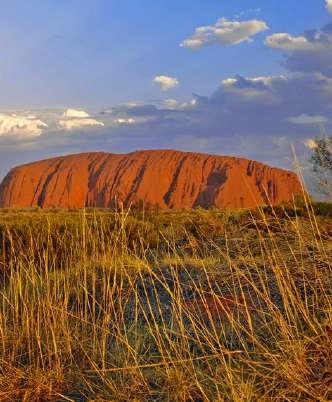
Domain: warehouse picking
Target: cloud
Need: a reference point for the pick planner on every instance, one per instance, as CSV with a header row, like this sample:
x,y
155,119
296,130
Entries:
x,y
286,41
251,87
69,113
224,32
258,82
20,125
125,120
171,104
329,5
229,81
308,119
144,114
165,82
73,119
74,124
310,52
260,106
256,117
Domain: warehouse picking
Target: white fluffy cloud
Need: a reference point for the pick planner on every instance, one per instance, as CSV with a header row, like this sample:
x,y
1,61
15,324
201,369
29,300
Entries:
x,y
21,125
286,41
229,81
329,5
224,32
264,80
73,119
74,113
165,82
125,120
308,119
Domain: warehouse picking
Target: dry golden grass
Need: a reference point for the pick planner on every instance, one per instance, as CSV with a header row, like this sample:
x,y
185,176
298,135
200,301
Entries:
x,y
166,306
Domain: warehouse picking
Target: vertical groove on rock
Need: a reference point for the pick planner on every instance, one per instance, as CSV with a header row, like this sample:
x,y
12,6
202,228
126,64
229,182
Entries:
x,y
43,192
172,187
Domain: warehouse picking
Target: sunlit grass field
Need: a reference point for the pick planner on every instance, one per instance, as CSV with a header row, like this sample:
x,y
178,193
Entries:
x,y
201,305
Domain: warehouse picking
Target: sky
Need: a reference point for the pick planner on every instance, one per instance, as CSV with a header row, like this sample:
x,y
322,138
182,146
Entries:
x,y
245,78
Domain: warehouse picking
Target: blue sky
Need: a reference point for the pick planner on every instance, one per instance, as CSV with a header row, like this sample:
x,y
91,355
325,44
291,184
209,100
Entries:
x,y
102,56
101,52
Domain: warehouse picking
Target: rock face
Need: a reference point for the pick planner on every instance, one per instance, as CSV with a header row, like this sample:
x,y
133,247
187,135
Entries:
x,y
165,178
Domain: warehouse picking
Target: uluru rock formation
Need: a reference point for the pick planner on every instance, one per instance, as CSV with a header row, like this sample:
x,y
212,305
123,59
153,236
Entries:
x,y
163,178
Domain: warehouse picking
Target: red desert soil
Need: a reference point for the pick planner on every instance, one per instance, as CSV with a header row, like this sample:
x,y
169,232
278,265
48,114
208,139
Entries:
x,y
164,178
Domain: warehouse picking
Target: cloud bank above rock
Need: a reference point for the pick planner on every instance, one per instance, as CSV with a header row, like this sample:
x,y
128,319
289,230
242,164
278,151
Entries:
x,y
20,125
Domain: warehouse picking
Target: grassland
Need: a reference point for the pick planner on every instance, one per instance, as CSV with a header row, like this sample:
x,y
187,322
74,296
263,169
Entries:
x,y
166,306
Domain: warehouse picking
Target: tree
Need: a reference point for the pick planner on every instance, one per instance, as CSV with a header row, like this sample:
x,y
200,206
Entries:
x,y
321,160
